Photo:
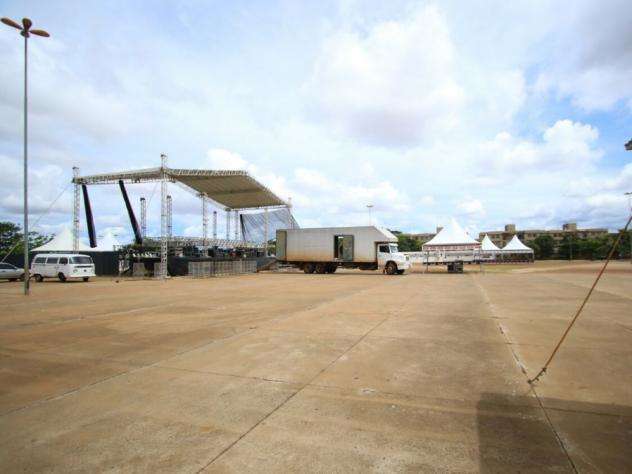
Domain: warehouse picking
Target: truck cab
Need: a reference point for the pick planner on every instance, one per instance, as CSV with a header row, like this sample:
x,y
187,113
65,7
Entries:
x,y
390,259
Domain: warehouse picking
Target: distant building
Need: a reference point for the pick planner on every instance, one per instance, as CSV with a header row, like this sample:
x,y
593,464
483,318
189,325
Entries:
x,y
502,237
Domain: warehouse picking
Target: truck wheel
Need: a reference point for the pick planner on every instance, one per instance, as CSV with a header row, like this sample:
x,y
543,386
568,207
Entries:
x,y
400,272
61,277
321,268
86,278
391,268
332,268
308,268
38,278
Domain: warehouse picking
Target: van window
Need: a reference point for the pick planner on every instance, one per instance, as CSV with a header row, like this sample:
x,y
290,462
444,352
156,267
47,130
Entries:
x,y
384,249
40,260
81,259
63,261
52,260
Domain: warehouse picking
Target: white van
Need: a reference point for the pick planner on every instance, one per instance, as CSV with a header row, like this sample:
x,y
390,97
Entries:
x,y
62,266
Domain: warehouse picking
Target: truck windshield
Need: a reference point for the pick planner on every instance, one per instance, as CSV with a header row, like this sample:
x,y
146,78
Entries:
x,y
393,248
81,260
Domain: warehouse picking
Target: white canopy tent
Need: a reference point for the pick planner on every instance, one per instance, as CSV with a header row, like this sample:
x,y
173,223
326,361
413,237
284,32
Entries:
x,y
452,237
516,246
62,242
488,246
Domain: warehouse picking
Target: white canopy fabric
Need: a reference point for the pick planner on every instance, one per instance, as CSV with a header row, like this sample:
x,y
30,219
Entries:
x,y
106,243
452,234
62,242
515,246
488,246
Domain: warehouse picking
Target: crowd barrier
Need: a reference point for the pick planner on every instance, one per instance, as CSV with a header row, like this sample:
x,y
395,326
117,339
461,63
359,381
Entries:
x,y
210,268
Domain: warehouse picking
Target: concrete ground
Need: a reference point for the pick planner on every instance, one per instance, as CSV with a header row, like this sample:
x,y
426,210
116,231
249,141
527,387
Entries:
x,y
330,373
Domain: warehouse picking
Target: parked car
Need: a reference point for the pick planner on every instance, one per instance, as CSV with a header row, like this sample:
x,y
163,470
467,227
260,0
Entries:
x,y
11,273
62,266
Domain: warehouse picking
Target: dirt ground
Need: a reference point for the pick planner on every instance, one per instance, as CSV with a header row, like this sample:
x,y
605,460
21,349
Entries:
x,y
351,372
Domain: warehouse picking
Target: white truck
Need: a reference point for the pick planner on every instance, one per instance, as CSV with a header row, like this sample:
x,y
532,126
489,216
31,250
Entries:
x,y
323,250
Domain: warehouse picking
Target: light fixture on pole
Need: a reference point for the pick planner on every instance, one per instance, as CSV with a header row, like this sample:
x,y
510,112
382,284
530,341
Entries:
x,y
26,31
369,207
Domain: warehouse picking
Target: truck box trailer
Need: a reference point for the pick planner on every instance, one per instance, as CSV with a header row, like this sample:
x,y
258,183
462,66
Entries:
x,y
323,250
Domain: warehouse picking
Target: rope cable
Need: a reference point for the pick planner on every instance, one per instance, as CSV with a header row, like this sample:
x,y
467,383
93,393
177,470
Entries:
x,y
610,254
37,220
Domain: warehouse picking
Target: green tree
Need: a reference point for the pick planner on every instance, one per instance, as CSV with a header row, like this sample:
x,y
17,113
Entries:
x,y
11,237
406,243
543,246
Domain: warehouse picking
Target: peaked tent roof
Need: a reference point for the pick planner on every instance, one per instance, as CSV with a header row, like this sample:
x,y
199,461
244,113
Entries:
x,y
106,243
452,234
62,242
514,245
487,245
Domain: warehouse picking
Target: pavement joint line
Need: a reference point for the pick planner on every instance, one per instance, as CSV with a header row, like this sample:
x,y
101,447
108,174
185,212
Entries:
x,y
106,379
238,376
143,367
597,289
524,371
283,403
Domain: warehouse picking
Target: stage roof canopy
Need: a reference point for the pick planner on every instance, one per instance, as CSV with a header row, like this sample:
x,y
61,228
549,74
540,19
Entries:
x,y
231,189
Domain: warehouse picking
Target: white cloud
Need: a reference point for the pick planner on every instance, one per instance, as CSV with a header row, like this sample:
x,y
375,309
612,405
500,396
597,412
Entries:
x,y
471,207
391,85
590,60
222,159
564,144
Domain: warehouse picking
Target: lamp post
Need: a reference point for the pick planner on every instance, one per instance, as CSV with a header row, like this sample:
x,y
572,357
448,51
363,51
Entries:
x,y
629,195
369,207
26,31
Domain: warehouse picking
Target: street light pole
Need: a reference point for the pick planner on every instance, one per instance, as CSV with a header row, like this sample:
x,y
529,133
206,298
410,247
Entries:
x,y
629,195
369,207
25,30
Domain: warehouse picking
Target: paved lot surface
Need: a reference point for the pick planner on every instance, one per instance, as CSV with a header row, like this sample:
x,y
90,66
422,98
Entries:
x,y
329,373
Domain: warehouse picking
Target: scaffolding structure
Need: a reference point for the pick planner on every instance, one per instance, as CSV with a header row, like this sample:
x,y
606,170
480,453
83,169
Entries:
x,y
214,224
76,209
143,217
230,190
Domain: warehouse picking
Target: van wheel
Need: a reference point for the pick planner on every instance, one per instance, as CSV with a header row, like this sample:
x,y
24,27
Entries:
x,y
321,268
86,278
61,277
308,268
38,278
391,268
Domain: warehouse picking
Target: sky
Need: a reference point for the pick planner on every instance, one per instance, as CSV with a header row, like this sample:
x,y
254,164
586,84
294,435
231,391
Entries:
x,y
489,112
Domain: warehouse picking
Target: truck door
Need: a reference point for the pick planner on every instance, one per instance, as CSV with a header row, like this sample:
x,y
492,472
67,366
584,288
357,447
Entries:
x,y
343,248
281,242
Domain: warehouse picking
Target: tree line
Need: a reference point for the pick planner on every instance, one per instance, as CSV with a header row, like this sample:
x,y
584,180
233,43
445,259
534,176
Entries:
x,y
545,247
573,247
12,237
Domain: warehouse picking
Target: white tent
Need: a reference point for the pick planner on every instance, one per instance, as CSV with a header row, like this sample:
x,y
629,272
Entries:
x,y
515,246
450,236
488,246
62,242
106,243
